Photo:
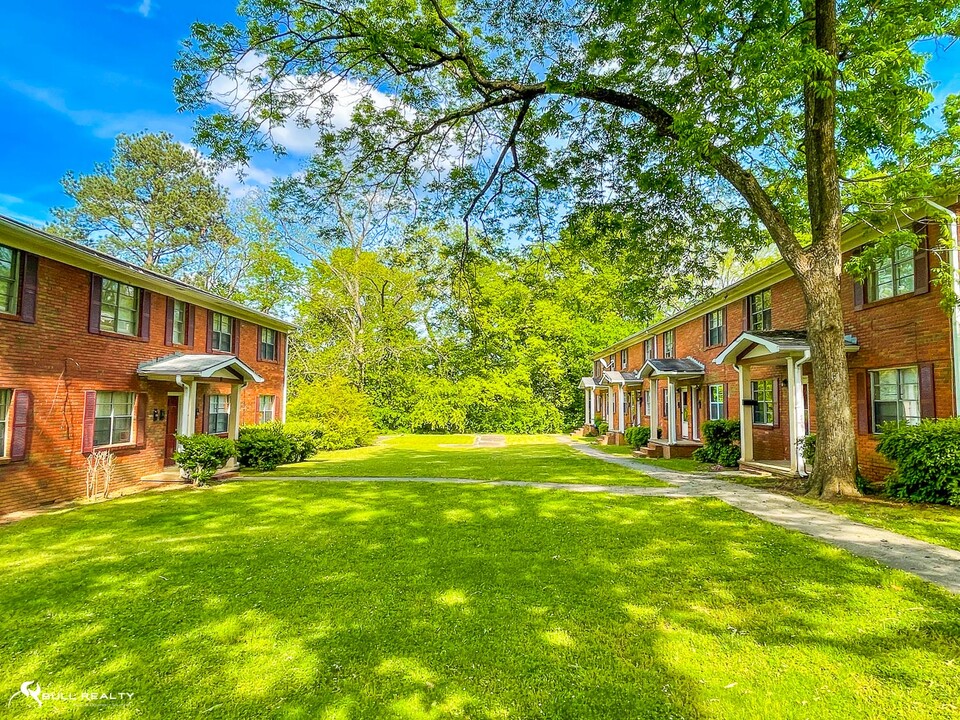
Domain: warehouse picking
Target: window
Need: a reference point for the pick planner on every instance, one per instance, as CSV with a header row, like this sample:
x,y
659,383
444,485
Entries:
x,y
646,402
612,362
896,396
5,398
113,421
763,395
668,338
268,344
623,359
9,280
218,414
760,311
179,322
267,404
715,328
119,307
649,349
892,276
717,402
222,334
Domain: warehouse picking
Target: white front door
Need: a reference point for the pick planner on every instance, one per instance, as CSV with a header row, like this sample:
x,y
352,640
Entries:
x,y
684,414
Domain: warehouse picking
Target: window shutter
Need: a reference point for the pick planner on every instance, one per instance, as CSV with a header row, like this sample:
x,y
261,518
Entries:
x,y
235,335
22,402
746,313
209,330
921,259
89,413
28,289
259,343
706,330
928,401
863,403
858,289
142,401
96,287
145,315
723,332
205,417
191,325
168,327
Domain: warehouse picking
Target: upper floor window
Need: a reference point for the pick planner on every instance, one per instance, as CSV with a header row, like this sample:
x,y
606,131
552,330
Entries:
x,y
623,359
715,329
221,336
5,398
612,362
649,349
9,280
896,396
763,395
218,414
266,409
668,344
717,402
760,311
268,344
119,307
179,329
892,275
113,420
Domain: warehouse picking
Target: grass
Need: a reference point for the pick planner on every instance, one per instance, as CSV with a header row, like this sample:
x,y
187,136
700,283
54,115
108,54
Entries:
x,y
277,599
676,464
539,458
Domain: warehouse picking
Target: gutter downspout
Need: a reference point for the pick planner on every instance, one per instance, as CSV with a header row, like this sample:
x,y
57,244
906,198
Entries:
x,y
286,362
955,312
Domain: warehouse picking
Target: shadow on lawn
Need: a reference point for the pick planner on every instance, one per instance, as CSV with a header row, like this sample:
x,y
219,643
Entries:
x,y
316,601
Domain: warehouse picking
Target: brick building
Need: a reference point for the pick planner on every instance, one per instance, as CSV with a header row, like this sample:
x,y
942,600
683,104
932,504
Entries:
x,y
96,353
742,354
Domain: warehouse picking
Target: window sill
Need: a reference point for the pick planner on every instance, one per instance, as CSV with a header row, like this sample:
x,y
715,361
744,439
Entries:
x,y
13,317
121,336
885,301
124,449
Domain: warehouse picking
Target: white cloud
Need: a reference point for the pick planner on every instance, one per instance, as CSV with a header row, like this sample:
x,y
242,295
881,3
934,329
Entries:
x,y
144,8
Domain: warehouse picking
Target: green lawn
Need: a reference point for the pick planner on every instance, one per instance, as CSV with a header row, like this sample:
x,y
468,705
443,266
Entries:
x,y
677,464
538,458
308,600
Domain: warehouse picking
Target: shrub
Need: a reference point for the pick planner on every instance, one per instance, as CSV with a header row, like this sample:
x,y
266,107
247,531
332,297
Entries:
x,y
637,436
602,427
335,413
263,447
721,443
927,458
200,456
808,448
304,439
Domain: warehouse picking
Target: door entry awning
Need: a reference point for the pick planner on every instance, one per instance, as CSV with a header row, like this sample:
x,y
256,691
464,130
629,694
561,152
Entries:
x,y
228,368
771,346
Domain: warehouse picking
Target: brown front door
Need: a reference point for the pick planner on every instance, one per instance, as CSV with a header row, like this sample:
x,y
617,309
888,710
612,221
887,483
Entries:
x,y
173,417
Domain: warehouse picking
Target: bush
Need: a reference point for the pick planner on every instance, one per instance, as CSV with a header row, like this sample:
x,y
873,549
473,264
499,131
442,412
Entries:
x,y
927,458
602,427
263,447
637,436
333,413
304,439
200,456
808,448
721,443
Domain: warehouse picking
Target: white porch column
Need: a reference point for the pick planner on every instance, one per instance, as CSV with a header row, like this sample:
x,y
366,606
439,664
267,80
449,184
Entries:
x,y
746,414
187,422
593,406
621,401
609,417
792,415
586,406
671,411
798,423
654,409
233,419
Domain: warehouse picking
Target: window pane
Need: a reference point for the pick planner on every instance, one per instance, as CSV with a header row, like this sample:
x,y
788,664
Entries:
x,y
9,279
101,431
121,430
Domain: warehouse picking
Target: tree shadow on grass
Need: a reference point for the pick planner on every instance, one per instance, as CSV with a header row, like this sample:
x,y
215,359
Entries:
x,y
308,600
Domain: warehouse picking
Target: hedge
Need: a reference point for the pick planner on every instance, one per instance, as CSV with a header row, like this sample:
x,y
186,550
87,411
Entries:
x,y
721,443
927,458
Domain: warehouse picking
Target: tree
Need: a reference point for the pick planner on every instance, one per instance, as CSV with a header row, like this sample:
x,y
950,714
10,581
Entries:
x,y
156,204
789,113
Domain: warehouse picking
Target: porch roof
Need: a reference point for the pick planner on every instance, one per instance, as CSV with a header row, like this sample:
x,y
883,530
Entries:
x,y
767,345
671,367
219,367
611,377
589,382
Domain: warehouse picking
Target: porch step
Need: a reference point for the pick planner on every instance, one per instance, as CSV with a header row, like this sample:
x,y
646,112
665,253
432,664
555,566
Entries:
x,y
611,438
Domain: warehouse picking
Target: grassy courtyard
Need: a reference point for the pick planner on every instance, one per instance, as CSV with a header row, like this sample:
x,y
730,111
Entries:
x,y
412,601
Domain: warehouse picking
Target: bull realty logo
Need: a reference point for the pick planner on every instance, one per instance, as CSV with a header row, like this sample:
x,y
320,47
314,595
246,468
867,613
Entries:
x,y
31,691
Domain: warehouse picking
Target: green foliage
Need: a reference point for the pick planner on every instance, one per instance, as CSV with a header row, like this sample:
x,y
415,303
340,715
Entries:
x,y
808,448
334,413
263,447
602,427
200,456
304,439
927,458
637,436
721,443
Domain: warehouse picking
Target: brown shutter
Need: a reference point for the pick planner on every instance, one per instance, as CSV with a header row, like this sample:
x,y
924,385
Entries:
x,y
89,415
96,287
168,327
145,296
22,402
864,423
191,324
209,330
205,417
746,313
142,402
259,343
921,260
28,289
858,289
928,402
235,335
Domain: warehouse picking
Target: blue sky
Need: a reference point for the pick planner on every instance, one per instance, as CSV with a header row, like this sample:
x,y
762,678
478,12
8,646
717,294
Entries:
x,y
99,68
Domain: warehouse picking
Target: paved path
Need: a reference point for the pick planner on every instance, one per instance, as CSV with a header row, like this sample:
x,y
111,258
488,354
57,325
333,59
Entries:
x,y
931,562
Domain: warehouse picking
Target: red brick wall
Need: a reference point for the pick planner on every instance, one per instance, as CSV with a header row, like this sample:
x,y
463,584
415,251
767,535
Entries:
x,y
57,359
